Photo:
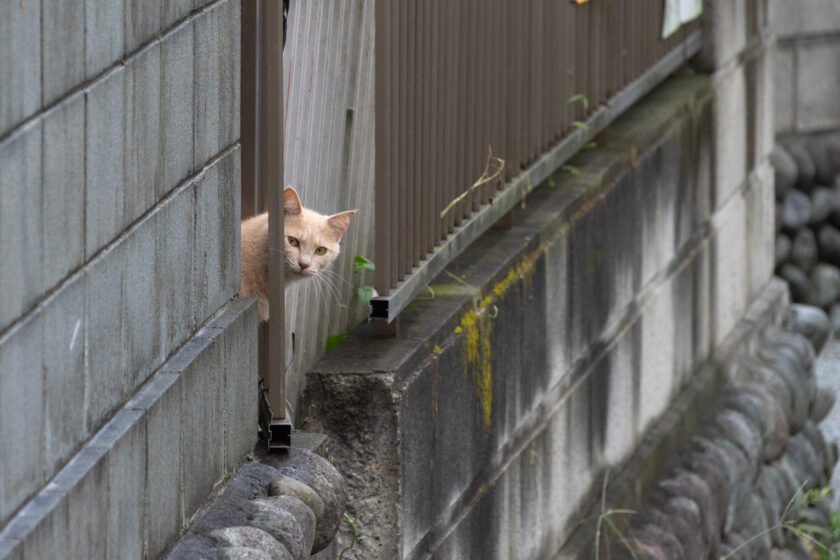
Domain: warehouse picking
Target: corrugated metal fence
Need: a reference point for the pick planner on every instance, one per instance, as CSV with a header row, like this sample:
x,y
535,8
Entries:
x,y
456,81
392,107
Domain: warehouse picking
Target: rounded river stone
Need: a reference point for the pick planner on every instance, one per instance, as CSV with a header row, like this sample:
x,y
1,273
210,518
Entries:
x,y
796,211
246,553
810,321
782,249
785,170
250,537
823,203
803,252
280,524
797,280
806,171
317,473
828,244
825,285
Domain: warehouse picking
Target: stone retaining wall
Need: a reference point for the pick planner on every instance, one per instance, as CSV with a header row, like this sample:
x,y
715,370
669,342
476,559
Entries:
x,y
746,468
807,249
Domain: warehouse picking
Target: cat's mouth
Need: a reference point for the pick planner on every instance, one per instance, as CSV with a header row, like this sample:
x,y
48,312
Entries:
x,y
306,273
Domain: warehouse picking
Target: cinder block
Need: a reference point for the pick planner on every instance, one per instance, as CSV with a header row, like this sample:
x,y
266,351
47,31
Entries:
x,y
141,336
85,479
143,162
620,426
20,61
127,491
105,142
104,318
648,178
202,415
656,365
174,258
63,48
819,81
217,67
177,104
175,10
416,455
558,360
725,26
580,456
730,277
702,335
63,366
241,373
63,189
163,464
761,75
217,235
21,229
49,535
21,412
670,165
760,215
730,135
784,84
104,35
142,22
791,19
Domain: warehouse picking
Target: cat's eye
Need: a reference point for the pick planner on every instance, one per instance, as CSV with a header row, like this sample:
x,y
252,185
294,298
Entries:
x,y
321,251
293,241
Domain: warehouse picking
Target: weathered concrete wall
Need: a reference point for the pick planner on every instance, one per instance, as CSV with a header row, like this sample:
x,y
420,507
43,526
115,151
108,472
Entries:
x,y
807,65
547,351
119,235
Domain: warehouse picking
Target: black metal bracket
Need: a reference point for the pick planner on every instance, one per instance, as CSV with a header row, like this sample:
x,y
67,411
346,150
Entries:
x,y
277,432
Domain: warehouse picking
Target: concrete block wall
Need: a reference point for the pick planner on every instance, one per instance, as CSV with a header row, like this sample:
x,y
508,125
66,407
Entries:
x,y
737,53
485,430
807,60
119,235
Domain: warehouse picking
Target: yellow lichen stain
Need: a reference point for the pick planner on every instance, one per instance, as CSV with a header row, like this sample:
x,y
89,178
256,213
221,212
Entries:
x,y
481,490
478,360
476,324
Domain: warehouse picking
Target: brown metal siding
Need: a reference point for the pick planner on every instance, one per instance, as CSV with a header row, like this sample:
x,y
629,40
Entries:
x,y
459,77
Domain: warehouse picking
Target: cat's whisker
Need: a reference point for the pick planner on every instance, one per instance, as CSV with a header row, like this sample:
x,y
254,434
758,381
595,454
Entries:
x,y
333,289
337,275
328,287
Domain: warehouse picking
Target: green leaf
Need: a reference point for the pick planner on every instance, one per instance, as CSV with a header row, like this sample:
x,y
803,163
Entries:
x,y
365,293
571,169
580,124
361,263
334,339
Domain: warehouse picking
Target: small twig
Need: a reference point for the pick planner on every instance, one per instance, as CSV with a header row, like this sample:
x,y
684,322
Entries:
x,y
353,532
486,177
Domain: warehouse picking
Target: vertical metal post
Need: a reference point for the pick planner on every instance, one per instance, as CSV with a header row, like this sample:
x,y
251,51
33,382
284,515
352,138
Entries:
x,y
270,103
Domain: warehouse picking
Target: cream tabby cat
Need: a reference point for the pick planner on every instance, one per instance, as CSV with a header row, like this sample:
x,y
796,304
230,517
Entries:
x,y
310,245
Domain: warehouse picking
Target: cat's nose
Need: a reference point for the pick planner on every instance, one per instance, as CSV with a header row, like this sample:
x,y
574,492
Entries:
x,y
303,265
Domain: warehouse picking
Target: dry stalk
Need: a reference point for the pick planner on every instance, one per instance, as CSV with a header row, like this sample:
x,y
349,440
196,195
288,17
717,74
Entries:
x,y
486,177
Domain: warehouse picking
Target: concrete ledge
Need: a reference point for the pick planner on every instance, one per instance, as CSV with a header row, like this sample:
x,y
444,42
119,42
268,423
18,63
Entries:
x,y
139,479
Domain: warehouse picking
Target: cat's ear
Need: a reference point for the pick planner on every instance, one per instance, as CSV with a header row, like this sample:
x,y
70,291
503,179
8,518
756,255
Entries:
x,y
339,222
291,201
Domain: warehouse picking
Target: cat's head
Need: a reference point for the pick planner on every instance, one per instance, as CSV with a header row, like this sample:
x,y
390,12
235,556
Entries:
x,y
311,239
